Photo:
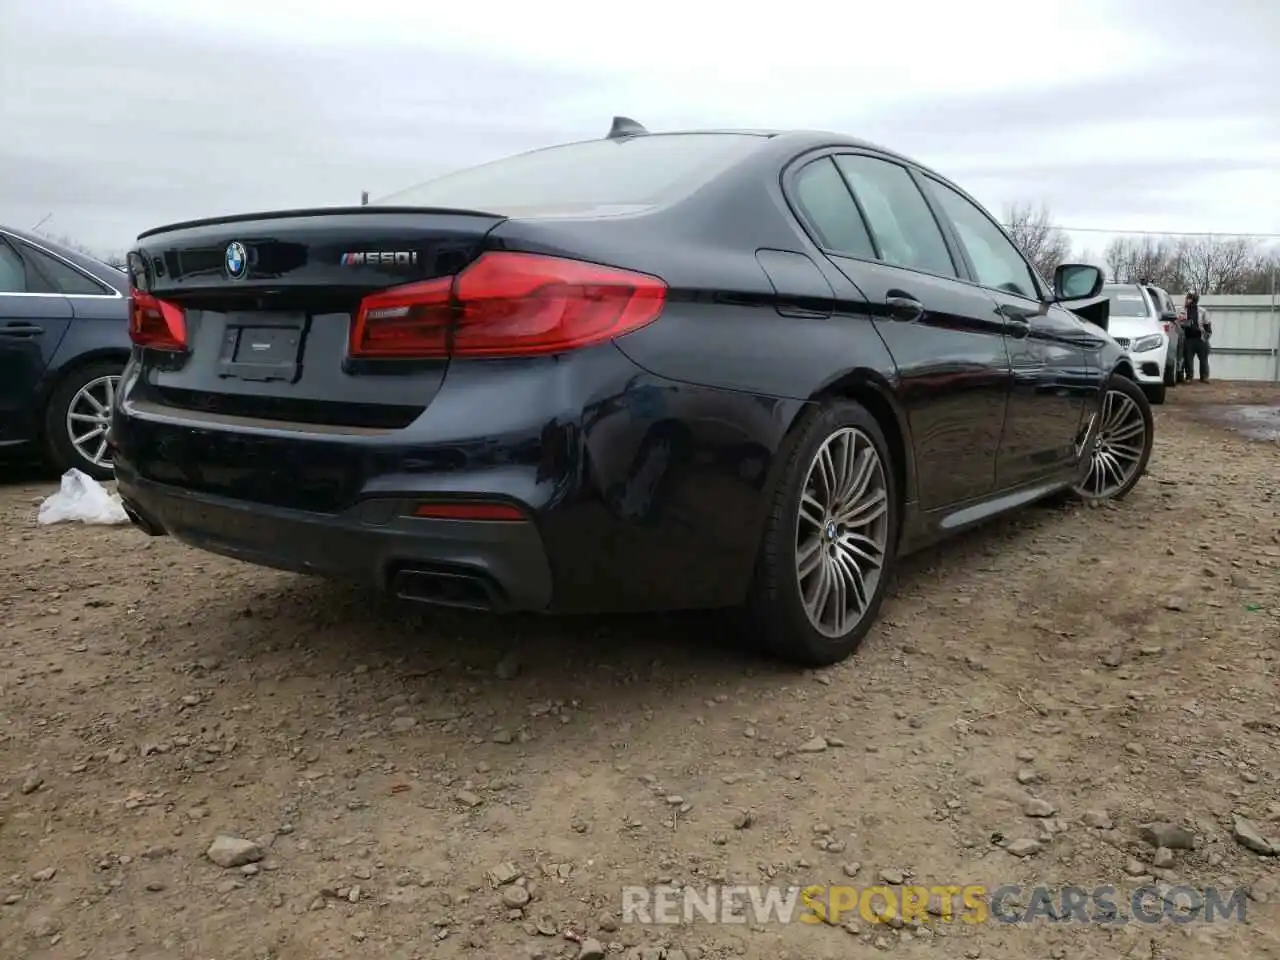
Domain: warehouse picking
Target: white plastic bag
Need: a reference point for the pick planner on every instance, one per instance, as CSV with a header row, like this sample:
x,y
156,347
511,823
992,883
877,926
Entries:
x,y
84,499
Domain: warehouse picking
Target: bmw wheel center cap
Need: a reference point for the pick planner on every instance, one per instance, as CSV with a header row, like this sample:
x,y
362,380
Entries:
x,y
237,260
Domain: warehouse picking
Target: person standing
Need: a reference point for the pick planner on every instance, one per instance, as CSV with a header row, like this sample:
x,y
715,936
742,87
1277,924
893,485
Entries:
x,y
1195,340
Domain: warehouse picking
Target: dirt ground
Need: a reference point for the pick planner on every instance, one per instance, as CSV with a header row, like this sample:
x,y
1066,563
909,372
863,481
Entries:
x,y
416,784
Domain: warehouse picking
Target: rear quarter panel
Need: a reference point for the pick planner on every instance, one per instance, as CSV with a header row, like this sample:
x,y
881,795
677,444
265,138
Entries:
x,y
738,373
722,327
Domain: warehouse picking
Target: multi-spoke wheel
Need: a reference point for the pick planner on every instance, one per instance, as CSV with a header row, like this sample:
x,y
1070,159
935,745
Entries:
x,y
842,528
830,542
79,416
1120,445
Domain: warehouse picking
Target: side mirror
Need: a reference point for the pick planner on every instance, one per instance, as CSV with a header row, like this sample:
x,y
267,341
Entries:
x,y
1168,318
1077,281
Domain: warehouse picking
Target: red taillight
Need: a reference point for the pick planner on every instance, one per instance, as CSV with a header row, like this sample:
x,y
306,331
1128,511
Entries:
x,y
507,305
155,323
469,511
408,321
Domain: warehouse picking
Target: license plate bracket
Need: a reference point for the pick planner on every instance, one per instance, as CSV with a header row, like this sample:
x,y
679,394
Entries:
x,y
262,347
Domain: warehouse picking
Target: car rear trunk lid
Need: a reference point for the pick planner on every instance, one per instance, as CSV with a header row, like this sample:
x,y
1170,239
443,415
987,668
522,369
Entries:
x,y
268,300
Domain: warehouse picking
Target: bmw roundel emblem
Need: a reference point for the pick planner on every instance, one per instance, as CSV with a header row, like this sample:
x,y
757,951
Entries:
x,y
237,260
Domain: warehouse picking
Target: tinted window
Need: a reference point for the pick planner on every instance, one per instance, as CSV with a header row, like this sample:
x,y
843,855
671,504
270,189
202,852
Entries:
x,y
827,205
900,219
13,272
65,279
1127,302
639,171
996,261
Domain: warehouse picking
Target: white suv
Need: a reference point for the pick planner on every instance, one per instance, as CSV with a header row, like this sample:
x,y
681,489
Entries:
x,y
1137,325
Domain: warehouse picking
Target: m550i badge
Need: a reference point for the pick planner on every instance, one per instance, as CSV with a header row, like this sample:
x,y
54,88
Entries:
x,y
380,258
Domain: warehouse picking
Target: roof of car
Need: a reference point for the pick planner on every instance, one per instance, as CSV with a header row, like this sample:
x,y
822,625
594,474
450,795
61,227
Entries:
x,y
804,140
798,137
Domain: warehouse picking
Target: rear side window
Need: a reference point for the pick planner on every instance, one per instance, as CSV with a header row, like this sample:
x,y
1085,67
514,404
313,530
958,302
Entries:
x,y
827,205
65,279
13,272
636,172
900,218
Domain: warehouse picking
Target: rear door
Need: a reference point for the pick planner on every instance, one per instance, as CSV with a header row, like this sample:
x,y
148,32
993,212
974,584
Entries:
x,y
34,318
945,336
1053,376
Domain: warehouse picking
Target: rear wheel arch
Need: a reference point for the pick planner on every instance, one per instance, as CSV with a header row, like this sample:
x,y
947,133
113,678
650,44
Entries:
x,y
877,397
777,607
867,388
55,403
72,367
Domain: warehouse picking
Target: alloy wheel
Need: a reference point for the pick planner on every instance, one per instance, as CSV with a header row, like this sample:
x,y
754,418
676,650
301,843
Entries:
x,y
89,418
1117,448
842,532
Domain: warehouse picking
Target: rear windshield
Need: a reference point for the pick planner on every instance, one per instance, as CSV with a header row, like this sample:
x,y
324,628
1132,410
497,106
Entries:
x,y
603,175
1127,302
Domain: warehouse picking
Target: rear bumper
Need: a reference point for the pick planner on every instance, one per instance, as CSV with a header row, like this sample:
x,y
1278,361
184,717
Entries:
x,y
642,493
494,565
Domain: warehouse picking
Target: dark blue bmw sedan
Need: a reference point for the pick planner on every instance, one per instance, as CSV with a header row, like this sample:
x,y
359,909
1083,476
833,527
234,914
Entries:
x,y
743,370
64,341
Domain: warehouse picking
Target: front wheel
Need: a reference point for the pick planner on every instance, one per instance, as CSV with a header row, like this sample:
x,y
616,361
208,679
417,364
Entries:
x,y
1120,447
829,543
78,417
1156,395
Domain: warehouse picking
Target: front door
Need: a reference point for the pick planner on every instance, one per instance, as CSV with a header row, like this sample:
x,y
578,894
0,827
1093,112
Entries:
x,y
1054,386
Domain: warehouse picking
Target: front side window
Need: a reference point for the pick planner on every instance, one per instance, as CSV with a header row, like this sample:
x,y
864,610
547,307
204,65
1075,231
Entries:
x,y
904,227
996,261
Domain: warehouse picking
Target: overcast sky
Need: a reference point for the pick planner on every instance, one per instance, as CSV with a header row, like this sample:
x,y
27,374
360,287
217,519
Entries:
x,y
118,115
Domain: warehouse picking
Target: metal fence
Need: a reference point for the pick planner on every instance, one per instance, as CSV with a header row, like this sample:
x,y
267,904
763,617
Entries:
x,y
1246,337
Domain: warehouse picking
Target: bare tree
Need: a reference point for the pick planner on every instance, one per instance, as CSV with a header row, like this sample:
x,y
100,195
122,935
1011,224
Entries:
x,y
1119,256
1033,230
1211,265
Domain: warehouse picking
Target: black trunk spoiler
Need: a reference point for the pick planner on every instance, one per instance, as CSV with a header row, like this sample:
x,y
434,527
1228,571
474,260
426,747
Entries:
x,y
311,212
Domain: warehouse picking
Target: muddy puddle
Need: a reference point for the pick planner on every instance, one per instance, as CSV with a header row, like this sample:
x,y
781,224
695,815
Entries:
x,y
1257,421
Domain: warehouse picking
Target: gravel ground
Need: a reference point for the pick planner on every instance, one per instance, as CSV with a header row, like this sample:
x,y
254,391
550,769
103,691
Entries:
x,y
404,783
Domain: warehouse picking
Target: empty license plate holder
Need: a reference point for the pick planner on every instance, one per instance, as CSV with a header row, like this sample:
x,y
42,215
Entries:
x,y
264,348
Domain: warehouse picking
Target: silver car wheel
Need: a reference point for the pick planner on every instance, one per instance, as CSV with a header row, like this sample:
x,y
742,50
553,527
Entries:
x,y
842,532
1117,448
89,418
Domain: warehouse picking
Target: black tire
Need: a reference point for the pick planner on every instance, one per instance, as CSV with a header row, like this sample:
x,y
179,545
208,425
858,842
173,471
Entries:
x,y
1156,395
1170,377
61,451
1135,393
775,608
